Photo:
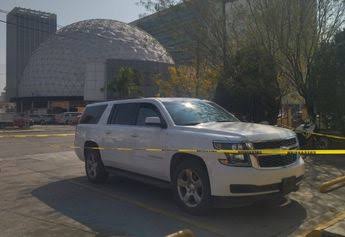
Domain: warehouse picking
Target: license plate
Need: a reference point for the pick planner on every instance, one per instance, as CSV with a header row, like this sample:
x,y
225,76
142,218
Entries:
x,y
288,185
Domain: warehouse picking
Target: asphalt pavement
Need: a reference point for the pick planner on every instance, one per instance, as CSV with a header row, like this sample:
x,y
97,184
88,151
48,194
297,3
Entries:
x,y
44,192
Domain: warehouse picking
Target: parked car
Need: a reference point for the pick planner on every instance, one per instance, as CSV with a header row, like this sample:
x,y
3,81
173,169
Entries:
x,y
47,119
198,179
68,118
6,119
35,119
22,121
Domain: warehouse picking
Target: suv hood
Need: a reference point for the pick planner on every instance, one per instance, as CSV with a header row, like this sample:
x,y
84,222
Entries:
x,y
247,131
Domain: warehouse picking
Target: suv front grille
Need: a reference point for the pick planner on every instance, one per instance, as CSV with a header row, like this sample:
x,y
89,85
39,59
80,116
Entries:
x,y
275,144
276,160
270,161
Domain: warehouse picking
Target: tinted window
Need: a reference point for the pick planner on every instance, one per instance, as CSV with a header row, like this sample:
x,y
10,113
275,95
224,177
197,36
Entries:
x,y
125,114
146,110
92,114
195,112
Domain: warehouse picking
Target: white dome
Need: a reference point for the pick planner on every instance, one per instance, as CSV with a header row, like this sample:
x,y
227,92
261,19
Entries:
x,y
57,67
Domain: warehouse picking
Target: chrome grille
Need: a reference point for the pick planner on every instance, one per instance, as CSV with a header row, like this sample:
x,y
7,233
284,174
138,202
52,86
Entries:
x,y
276,160
270,161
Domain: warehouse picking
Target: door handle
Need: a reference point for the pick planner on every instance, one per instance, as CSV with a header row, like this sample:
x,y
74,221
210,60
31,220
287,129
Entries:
x,y
134,135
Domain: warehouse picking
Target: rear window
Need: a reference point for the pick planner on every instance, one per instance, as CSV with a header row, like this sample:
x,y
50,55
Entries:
x,y
92,114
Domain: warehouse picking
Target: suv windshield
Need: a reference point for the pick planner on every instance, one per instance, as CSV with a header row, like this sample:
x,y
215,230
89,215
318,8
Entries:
x,y
196,112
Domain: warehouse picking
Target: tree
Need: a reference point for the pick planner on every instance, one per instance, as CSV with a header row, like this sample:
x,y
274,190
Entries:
x,y
126,84
292,32
328,72
184,82
251,90
156,5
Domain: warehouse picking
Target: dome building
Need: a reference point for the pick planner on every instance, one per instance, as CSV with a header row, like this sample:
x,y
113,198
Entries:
x,y
75,65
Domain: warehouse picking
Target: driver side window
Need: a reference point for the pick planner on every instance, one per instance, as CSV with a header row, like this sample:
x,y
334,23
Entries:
x,y
147,110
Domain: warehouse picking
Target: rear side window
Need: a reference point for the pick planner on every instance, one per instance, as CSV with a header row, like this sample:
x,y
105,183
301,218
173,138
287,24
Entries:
x,y
92,114
125,114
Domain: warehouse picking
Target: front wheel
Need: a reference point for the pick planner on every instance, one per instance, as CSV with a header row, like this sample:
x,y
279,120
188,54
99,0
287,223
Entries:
x,y
192,187
94,167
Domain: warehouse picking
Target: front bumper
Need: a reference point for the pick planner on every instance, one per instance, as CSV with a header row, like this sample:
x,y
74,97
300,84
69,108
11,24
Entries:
x,y
280,190
282,187
249,181
223,202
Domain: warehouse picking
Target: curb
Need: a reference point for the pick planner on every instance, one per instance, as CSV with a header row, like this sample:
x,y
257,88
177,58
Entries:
x,y
326,229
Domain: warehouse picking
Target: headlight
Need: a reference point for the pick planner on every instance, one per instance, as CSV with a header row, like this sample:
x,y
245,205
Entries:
x,y
242,160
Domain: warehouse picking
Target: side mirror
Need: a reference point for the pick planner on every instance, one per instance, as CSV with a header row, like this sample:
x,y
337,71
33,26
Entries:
x,y
153,121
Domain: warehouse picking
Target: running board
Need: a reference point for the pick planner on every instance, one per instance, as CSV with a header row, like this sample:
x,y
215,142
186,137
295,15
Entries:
x,y
138,177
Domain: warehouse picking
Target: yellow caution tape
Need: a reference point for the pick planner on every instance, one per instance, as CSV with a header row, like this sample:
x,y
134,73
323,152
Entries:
x,y
234,152
327,135
318,134
194,150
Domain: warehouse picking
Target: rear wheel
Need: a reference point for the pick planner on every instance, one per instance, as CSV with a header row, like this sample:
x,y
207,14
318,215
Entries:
x,y
94,167
192,187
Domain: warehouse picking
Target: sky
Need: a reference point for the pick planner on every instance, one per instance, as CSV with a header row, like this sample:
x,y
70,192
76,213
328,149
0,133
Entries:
x,y
68,11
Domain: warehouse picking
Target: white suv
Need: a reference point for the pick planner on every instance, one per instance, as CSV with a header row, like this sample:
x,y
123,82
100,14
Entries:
x,y
146,139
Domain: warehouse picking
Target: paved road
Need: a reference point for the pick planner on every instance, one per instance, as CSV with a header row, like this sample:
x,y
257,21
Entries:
x,y
44,192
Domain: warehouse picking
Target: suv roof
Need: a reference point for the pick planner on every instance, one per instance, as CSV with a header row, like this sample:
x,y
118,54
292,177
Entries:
x,y
162,99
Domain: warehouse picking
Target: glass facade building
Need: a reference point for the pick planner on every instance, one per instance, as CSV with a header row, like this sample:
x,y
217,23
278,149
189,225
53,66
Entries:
x,y
26,30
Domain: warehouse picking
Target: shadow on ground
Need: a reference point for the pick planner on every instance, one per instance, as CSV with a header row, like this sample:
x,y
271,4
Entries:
x,y
126,208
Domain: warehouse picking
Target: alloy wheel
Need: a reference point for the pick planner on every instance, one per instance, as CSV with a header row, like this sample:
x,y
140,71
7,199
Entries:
x,y
190,188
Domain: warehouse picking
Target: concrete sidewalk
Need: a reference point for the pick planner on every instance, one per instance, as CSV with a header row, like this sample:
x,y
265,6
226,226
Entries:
x,y
332,228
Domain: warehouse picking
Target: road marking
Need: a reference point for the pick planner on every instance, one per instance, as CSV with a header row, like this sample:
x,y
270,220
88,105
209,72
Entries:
x,y
38,135
154,150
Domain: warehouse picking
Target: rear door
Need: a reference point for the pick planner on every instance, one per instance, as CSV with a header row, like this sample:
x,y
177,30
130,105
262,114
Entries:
x,y
119,138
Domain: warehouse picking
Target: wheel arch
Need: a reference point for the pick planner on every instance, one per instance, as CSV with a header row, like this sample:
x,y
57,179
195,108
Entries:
x,y
179,157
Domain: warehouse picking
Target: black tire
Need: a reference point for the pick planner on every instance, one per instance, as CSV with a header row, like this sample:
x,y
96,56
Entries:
x,y
94,167
202,191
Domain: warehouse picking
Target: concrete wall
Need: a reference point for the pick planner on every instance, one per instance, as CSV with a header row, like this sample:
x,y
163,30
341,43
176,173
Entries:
x,y
94,86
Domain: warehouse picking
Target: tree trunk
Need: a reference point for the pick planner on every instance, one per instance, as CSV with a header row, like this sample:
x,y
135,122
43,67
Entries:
x,y
309,103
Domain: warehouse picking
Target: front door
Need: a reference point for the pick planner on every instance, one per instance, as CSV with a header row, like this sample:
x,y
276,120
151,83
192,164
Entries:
x,y
150,162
